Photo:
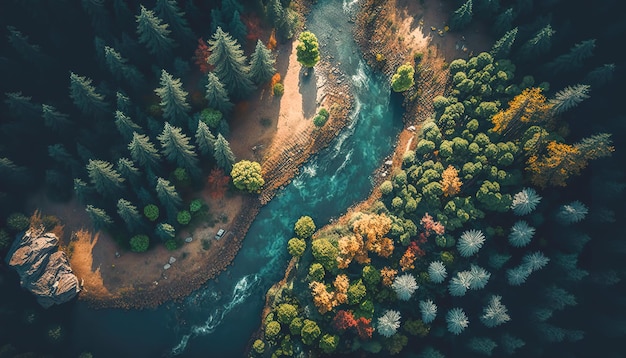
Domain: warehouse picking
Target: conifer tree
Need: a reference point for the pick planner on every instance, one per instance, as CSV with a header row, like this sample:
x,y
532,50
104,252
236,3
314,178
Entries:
x,y
154,34
82,190
120,68
261,64
123,15
230,64
176,148
99,217
128,170
275,12
504,22
568,98
173,98
22,106
54,119
29,52
105,179
216,20
125,125
85,96
223,154
229,7
165,231
237,29
168,196
462,16
60,154
538,45
144,152
172,15
600,75
99,16
217,95
122,102
502,47
205,140
129,213
573,60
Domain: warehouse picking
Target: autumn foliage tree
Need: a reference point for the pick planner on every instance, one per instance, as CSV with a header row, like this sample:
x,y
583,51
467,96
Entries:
x,y
364,328
217,183
201,56
344,320
525,109
450,182
322,299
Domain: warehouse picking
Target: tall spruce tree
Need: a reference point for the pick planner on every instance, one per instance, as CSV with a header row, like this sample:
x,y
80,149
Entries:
x,y
54,119
100,17
125,125
61,155
462,16
120,68
173,98
502,47
573,60
216,94
503,22
128,170
237,29
169,11
29,52
600,75
129,213
230,64
176,148
154,34
85,96
99,217
82,190
229,7
205,139
122,102
223,154
22,106
538,45
275,12
261,64
144,152
568,98
105,179
168,196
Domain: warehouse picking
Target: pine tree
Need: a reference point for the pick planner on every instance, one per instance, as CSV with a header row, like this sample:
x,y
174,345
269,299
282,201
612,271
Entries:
x,y
128,170
144,152
223,154
502,47
176,148
123,15
125,125
29,52
172,15
99,16
165,231
600,75
99,217
573,60
120,68
173,98
54,119
122,102
462,16
237,29
230,64
205,140
275,12
82,190
495,313
129,213
168,196
22,106
538,45
85,96
261,64
60,154
217,95
105,179
229,7
216,20
504,22
154,34
568,98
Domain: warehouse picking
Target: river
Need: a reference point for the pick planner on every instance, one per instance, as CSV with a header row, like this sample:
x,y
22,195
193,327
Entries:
x,y
218,319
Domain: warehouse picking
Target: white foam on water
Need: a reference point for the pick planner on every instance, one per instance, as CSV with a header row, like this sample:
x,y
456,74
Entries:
x,y
348,5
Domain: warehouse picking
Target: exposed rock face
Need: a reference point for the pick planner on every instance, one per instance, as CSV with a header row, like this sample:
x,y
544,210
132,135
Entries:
x,y
43,270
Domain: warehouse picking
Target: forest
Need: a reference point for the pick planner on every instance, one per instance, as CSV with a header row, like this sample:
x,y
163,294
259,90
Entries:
x,y
495,232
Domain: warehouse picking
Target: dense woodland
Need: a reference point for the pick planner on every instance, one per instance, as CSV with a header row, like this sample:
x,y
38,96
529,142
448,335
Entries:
x,y
126,108
494,238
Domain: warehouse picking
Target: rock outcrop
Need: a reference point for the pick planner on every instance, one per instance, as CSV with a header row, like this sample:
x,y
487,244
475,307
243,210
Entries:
x,y
43,269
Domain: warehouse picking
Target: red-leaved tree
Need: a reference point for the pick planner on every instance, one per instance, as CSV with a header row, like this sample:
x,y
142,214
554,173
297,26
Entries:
x,y
344,320
217,183
364,328
201,56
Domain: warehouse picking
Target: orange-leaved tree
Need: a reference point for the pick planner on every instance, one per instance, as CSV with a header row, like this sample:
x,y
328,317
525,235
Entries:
x,y
450,182
525,109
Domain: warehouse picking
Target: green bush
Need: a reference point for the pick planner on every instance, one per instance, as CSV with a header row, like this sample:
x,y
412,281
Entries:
x,y
285,313
316,272
295,327
171,245
151,211
310,331
17,222
356,292
304,227
139,243
296,247
319,120
272,328
279,89
183,217
258,346
195,205
323,112
328,343
211,117
386,187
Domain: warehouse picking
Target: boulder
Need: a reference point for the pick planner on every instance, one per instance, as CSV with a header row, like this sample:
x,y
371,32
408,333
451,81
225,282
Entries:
x,y
43,269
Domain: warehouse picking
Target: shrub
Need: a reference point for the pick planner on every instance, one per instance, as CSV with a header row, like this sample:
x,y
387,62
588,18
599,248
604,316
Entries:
x,y
296,247
151,211
316,272
211,117
279,89
272,328
5,239
310,331
319,120
139,243
183,217
304,227
295,327
328,343
285,313
171,245
17,222
323,112
386,187
403,79
195,205
258,346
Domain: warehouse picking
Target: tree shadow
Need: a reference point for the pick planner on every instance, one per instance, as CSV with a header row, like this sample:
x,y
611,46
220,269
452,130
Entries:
x,y
308,90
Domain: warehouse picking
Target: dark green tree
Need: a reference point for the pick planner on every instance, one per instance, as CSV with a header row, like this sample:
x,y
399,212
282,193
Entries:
x,y
54,119
165,231
502,47
99,217
22,106
96,9
217,95
462,16
205,140
139,243
173,98
307,50
82,190
120,68
538,45
237,29
600,76
230,64
128,170
129,213
403,79
229,7
29,52
144,152
176,148
105,179
85,96
122,102
504,22
168,196
573,60
275,12
61,155
261,64
223,154
125,125
154,34
172,15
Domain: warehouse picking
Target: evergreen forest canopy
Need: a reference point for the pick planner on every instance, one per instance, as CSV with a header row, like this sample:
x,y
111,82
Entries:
x,y
127,107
